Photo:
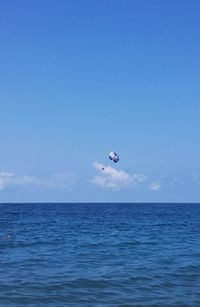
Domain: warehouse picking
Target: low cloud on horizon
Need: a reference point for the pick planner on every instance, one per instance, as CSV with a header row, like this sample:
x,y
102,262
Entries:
x,y
111,178
154,186
58,181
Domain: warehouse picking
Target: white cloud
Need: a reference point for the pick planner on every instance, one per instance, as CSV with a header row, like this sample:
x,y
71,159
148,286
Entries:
x,y
109,177
5,179
154,186
59,181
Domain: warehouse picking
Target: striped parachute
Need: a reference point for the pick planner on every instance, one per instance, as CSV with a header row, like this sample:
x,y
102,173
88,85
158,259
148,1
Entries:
x,y
113,156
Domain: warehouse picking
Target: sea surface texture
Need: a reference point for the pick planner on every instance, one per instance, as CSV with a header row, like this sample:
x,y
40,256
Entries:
x,y
100,255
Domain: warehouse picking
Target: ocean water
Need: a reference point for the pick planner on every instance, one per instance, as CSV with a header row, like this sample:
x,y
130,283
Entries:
x,y
100,254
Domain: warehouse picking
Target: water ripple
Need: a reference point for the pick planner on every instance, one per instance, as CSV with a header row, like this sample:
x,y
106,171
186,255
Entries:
x,y
99,255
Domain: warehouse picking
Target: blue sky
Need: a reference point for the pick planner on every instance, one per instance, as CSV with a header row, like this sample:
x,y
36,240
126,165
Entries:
x,y
82,78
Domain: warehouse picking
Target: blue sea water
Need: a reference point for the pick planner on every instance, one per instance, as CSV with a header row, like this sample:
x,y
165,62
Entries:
x,y
100,254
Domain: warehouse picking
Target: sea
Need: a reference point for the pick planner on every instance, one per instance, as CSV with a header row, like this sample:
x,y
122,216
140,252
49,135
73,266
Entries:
x,y
99,254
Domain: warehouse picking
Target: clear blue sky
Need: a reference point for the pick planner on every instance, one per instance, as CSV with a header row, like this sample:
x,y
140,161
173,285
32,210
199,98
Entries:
x,y
82,78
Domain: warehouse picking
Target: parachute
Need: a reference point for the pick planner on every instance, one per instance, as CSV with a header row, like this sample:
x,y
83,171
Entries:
x,y
114,157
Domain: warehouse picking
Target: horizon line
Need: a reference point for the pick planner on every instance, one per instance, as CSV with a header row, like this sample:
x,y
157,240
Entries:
x,y
7,203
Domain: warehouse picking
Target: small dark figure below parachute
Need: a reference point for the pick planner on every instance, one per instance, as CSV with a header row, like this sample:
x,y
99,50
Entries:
x,y
114,157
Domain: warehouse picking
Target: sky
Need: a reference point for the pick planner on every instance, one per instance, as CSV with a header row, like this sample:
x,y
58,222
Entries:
x,y
79,79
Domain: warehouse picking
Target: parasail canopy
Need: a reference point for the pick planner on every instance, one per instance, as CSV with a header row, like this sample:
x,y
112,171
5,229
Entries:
x,y
113,156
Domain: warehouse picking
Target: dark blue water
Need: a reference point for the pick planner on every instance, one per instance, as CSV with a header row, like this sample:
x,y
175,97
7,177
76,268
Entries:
x,y
99,255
